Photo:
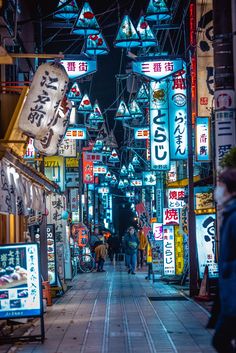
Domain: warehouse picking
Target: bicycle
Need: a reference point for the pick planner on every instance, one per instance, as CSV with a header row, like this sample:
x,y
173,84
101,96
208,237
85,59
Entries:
x,y
86,262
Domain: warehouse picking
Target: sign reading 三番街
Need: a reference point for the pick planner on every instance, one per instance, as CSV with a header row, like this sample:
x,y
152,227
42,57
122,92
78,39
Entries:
x,y
79,68
202,141
157,69
159,126
169,250
76,133
205,236
141,133
20,281
177,96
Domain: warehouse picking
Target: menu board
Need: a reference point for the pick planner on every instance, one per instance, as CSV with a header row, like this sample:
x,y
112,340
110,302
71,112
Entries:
x,y
20,286
51,254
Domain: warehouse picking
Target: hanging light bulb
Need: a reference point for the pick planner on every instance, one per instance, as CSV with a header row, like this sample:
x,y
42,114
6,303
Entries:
x,y
146,35
85,105
75,93
123,171
142,95
67,12
127,35
135,110
86,23
157,10
122,112
96,45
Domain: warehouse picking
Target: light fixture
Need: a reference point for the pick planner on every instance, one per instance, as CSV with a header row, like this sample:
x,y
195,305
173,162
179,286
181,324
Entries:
x,y
98,145
108,176
95,45
131,175
85,105
113,158
122,112
135,161
157,10
123,171
130,168
127,36
142,94
146,35
106,150
75,93
114,180
67,12
121,184
135,110
96,115
86,23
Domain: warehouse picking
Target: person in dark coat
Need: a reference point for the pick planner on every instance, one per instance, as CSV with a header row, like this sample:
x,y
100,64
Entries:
x,y
131,243
114,247
225,329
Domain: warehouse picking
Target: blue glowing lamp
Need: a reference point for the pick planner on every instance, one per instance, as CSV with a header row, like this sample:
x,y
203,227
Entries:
x,y
108,176
114,180
98,146
157,10
121,184
96,45
106,150
113,158
135,110
126,183
135,161
123,171
145,33
67,12
131,175
122,112
75,93
130,168
142,95
86,23
127,36
85,105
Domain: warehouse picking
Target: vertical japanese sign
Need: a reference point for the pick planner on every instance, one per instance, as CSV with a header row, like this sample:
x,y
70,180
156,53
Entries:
x,y
159,126
157,231
88,175
20,290
51,247
144,219
202,141
74,200
178,116
193,41
179,252
205,78
205,234
159,204
169,250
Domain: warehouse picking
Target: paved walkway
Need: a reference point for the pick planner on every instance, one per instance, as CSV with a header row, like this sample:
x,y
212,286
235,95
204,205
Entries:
x,y
114,312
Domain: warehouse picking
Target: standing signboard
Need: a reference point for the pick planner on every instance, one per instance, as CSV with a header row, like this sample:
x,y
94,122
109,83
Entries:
x,y
51,247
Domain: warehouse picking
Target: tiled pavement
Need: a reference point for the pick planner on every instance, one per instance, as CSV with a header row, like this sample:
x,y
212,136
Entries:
x,y
111,313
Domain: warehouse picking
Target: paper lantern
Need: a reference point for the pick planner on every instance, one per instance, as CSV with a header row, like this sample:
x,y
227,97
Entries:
x,y
122,112
96,45
86,23
75,93
157,10
67,12
127,36
147,38
46,91
85,105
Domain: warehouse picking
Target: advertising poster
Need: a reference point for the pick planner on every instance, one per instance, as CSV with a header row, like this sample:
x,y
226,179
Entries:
x,y
51,247
20,287
205,236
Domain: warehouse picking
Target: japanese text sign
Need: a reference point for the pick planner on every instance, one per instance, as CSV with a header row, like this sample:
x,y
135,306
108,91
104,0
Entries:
x,y
79,68
76,133
141,133
170,216
175,198
169,250
136,182
88,175
67,148
51,248
202,142
179,252
157,231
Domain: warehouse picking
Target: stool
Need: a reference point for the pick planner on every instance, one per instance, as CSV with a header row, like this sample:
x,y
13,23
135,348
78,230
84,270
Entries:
x,y
47,292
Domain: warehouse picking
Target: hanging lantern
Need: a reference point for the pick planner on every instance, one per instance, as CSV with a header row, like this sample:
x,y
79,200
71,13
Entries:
x,y
123,112
113,157
75,93
131,175
46,92
86,23
127,36
135,161
130,168
126,183
96,116
114,180
96,45
121,184
98,145
145,33
50,143
157,10
142,95
135,110
106,150
108,176
123,171
85,105
67,12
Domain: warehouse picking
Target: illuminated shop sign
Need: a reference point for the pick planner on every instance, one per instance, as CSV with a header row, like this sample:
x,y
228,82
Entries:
x,y
77,133
141,133
103,190
178,116
157,69
136,182
157,229
67,148
92,157
169,250
159,126
79,68
205,236
179,252
204,197
149,178
202,139
170,216
30,150
176,198
100,169
51,248
20,279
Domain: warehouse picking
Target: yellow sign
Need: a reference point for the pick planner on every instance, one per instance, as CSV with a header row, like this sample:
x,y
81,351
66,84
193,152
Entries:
x,y
149,254
54,170
179,252
72,162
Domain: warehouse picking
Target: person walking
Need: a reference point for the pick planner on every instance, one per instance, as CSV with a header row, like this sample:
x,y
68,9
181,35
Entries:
x,y
131,244
114,247
101,253
225,329
142,247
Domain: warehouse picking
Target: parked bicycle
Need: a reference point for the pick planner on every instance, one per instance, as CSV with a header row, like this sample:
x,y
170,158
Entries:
x,y
86,262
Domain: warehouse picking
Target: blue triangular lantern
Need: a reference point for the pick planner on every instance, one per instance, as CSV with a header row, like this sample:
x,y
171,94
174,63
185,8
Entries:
x,y
96,116
113,180
142,95
130,168
157,10
108,176
121,184
67,12
113,157
127,35
147,37
96,45
135,161
75,93
106,150
123,112
126,183
135,110
86,23
98,146
123,171
85,105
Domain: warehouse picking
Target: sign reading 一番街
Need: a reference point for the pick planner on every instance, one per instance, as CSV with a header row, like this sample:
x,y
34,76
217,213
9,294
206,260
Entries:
x,y
157,69
169,250
177,97
20,281
79,68
202,139
159,126
205,236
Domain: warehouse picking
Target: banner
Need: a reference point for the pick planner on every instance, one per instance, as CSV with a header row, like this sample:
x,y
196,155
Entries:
x,y
202,139
169,250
